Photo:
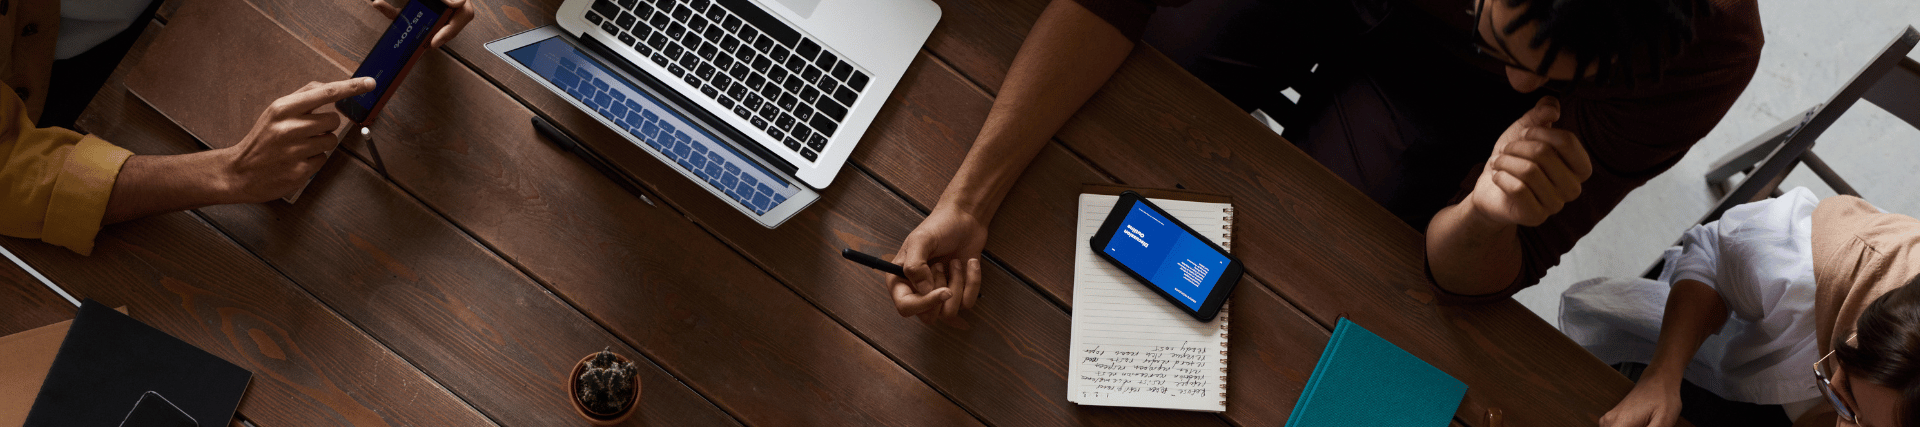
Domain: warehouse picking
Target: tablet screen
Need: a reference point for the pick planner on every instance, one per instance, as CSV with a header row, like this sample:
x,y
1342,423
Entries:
x,y
1174,260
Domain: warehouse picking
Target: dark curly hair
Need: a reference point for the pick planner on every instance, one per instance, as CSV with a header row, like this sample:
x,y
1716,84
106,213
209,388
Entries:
x,y
1625,38
1888,352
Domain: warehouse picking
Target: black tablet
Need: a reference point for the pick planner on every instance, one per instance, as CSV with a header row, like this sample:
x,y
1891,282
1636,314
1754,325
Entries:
x,y
1167,256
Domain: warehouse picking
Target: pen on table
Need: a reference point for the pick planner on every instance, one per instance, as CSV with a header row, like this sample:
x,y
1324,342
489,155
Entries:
x,y
873,262
563,141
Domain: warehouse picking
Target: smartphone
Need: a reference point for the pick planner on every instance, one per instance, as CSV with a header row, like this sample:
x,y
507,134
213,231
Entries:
x,y
1167,256
154,410
390,59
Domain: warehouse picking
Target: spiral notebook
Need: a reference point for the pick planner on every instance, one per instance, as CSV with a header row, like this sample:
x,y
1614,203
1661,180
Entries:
x,y
1129,346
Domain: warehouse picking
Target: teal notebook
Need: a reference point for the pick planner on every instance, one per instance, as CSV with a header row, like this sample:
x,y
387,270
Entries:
x,y
1363,380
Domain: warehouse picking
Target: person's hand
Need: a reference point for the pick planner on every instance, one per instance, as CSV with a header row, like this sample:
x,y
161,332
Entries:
x,y
942,262
462,14
1534,170
1650,404
287,145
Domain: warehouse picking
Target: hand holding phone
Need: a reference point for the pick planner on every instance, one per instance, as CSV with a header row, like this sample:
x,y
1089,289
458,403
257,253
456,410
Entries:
x,y
393,56
1167,256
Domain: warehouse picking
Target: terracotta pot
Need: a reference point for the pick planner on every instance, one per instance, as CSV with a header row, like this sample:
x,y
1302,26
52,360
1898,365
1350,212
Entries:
x,y
573,385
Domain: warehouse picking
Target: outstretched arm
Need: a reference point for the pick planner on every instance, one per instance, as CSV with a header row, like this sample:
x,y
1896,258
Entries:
x,y
1067,56
1694,312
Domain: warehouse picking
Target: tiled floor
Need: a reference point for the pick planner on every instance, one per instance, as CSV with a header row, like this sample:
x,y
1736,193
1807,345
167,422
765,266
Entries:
x,y
1813,48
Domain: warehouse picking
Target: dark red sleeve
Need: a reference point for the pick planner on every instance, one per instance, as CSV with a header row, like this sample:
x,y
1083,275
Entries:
x,y
1129,16
1634,134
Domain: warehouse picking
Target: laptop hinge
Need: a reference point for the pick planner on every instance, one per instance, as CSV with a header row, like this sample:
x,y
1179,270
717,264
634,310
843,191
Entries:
x,y
706,119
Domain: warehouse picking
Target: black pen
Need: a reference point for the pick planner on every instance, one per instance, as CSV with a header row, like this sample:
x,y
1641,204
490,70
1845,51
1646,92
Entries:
x,y
873,262
563,141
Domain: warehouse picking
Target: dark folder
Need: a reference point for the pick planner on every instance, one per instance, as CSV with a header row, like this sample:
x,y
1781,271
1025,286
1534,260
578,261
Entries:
x,y
108,361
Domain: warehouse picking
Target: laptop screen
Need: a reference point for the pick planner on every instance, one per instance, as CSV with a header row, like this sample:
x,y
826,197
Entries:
x,y
667,132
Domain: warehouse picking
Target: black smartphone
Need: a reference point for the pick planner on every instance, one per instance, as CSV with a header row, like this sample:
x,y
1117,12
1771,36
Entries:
x,y
153,410
1167,256
393,56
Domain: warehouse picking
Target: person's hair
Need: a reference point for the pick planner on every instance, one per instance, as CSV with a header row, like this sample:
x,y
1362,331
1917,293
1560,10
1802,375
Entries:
x,y
1624,38
1888,349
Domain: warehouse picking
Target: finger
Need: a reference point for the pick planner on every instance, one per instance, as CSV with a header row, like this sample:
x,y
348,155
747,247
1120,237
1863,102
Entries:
x,y
1535,180
461,16
1517,203
973,282
306,100
909,303
1572,151
386,9
306,125
1544,113
1565,182
309,166
913,258
937,279
956,280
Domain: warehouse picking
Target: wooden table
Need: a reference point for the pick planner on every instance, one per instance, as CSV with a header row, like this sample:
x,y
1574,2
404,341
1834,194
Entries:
x,y
461,286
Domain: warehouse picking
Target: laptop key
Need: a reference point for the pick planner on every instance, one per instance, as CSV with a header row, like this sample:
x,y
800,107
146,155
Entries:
x,y
845,96
858,81
690,39
729,44
657,40
776,133
714,34
732,23
817,142
785,121
626,4
744,52
787,101
792,144
821,123
758,123
795,84
810,94
779,53
752,102
676,70
826,61
770,90
706,72
709,91
761,63
769,111
697,23
737,90
802,112
807,49
725,101
761,18
642,10
626,21
716,13
659,20
747,33
689,59
739,71
724,61
698,5
741,111
810,154
763,44
800,131
722,80
641,31
692,80
665,5
777,75
676,31
811,75
841,70
681,13
708,50
828,87
643,49
594,18
627,39
609,27
795,64
606,7
754,82
659,59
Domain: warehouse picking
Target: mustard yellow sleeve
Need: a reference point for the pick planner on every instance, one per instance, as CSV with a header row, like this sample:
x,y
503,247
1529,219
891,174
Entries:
x,y
54,183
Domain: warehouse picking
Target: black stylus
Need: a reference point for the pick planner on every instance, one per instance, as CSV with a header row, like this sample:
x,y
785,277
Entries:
x,y
563,141
873,262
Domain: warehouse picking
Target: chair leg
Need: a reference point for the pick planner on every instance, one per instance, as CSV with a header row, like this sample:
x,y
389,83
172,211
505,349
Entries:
x,y
1826,174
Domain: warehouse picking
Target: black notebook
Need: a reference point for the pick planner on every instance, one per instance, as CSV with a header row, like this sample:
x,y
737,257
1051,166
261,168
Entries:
x,y
109,360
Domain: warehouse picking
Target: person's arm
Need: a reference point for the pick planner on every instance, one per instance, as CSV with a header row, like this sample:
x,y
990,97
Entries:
x,y
1067,56
287,145
1473,247
1694,312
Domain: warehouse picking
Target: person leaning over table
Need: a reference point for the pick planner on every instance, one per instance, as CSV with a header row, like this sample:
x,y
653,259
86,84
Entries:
x,y
1827,298
1504,129
59,186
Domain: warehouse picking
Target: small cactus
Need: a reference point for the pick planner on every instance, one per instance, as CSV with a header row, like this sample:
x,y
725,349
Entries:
x,y
606,384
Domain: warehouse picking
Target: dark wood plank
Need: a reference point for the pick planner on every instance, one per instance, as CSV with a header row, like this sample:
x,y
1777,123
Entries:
x,y
310,366
27,304
1005,374
759,382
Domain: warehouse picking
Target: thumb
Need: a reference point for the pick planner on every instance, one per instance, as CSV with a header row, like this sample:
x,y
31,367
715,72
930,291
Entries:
x,y
913,258
1543,114
908,303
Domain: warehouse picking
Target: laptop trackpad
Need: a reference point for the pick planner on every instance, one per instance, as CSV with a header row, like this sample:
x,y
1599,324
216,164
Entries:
x,y
802,7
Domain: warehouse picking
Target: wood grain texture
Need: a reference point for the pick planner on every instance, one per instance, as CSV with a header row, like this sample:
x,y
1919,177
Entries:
x,y
1011,375
1326,248
27,304
310,366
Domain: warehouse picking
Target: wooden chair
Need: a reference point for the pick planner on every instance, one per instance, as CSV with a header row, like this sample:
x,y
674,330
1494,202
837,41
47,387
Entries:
x,y
1891,81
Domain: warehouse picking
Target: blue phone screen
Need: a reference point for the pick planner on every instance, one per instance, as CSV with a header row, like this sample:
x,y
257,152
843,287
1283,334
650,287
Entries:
x,y
395,47
1172,259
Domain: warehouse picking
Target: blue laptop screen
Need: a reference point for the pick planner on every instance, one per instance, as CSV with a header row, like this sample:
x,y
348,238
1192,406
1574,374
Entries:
x,y
672,135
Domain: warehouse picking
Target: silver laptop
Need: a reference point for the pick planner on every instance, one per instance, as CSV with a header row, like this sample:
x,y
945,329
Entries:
x,y
760,102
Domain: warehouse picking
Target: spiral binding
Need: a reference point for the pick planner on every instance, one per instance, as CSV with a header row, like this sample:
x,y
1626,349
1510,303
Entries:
x,y
1227,238
1226,241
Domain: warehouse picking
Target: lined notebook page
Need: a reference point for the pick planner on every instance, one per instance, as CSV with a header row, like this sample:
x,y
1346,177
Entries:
x,y
1130,346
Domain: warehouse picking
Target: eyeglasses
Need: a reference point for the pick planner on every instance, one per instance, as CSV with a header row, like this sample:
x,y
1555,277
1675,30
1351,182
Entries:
x,y
1826,388
1480,43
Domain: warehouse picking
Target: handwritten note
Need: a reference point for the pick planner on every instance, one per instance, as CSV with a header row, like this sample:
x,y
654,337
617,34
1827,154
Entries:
x,y
1129,346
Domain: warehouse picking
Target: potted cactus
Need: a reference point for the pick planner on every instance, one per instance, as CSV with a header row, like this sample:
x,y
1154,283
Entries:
x,y
604,388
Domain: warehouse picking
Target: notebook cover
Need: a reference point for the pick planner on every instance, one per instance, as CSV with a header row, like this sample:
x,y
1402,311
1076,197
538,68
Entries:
x,y
28,356
218,64
108,360
1363,380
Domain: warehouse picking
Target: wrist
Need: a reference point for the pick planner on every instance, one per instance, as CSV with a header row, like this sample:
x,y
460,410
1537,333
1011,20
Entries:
x,y
209,177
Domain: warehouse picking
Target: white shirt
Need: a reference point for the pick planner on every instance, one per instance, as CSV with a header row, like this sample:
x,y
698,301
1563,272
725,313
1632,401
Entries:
x,y
1759,258
87,23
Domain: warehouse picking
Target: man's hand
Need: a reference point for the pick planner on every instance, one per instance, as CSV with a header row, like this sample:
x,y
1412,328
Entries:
x,y
1534,171
942,261
462,14
287,145
1652,403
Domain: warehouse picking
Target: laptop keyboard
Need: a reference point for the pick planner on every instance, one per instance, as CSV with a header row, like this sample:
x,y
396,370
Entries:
x,y
722,170
750,62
